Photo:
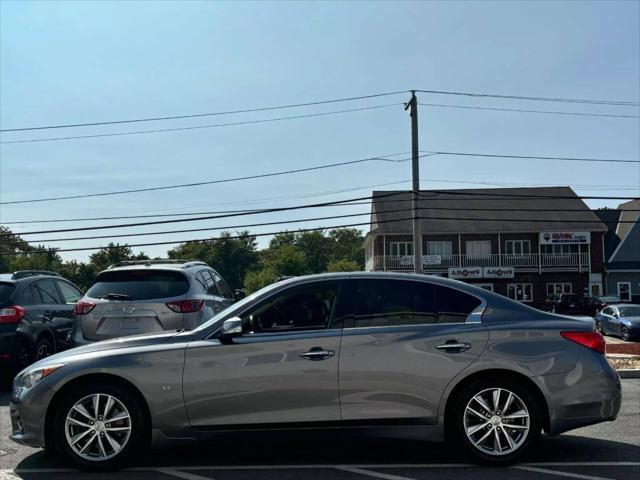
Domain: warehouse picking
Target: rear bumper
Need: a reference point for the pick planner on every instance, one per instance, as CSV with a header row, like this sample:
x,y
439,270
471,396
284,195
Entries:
x,y
9,350
590,393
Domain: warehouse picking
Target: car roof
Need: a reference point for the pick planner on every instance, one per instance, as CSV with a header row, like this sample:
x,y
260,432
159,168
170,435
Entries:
x,y
623,304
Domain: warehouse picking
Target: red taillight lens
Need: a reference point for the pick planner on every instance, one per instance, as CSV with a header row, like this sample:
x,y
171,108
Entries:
x,y
12,314
186,306
82,308
592,340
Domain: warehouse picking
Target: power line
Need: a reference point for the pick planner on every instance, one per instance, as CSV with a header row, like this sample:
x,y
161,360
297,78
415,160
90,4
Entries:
x,y
423,195
580,114
332,217
383,158
199,127
538,99
211,114
531,157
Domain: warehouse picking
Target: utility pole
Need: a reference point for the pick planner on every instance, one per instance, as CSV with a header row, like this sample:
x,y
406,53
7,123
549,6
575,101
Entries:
x,y
412,106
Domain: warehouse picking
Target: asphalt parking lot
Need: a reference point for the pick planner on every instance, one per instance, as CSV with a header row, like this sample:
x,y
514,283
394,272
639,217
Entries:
x,y
606,451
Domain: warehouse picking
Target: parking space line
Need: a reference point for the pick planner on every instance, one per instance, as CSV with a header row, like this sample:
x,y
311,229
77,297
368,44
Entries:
x,y
559,473
179,474
371,473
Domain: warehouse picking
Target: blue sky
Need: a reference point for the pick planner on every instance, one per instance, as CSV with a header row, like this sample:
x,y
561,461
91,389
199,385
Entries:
x,y
73,62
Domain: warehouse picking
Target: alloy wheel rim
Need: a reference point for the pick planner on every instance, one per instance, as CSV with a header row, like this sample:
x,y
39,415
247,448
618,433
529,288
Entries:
x,y
97,427
496,421
43,351
625,333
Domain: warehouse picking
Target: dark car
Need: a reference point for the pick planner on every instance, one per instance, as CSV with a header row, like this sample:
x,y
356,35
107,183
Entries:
x,y
622,320
597,303
36,316
566,303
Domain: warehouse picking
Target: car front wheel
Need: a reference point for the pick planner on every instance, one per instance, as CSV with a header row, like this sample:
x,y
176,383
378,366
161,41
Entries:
x,y
624,333
496,421
599,327
99,427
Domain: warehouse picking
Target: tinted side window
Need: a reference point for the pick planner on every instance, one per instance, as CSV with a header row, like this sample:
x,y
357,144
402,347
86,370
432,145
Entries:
x,y
607,311
210,284
6,290
70,293
381,303
48,292
200,283
454,306
222,286
303,307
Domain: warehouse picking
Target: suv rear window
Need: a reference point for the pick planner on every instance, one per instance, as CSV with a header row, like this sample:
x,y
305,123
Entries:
x,y
6,290
139,284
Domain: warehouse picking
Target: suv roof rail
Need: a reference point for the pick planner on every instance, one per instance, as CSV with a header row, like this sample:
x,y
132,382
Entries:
x,y
193,263
18,274
157,261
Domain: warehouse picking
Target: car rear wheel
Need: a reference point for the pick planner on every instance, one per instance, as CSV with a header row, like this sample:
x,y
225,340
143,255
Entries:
x,y
624,333
44,348
100,426
496,421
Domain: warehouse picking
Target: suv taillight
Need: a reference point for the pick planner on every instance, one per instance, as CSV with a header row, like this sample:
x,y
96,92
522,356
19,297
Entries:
x,y
592,340
12,314
82,308
186,306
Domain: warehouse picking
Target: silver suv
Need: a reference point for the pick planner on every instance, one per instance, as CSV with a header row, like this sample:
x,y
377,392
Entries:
x,y
134,297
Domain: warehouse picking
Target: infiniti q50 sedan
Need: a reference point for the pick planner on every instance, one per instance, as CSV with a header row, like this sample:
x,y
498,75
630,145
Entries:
x,y
335,350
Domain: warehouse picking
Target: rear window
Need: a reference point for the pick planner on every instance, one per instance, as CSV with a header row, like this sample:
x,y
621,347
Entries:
x,y
6,290
139,285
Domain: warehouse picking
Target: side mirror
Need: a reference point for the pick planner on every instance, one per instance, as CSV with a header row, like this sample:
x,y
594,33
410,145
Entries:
x,y
231,327
239,294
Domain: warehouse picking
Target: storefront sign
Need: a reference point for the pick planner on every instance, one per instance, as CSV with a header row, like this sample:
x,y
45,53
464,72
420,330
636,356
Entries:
x,y
465,272
432,260
553,238
498,272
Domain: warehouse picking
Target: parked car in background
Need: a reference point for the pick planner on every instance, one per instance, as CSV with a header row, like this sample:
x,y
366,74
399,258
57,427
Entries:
x,y
565,303
148,296
36,316
595,304
621,320
334,350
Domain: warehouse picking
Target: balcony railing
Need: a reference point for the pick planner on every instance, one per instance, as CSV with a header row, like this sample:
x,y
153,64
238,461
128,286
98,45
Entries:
x,y
547,261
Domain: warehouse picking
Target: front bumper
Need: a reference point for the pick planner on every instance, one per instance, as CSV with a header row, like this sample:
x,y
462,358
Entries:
x,y
28,409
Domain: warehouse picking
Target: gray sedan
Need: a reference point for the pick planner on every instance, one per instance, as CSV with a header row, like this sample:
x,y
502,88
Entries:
x,y
338,350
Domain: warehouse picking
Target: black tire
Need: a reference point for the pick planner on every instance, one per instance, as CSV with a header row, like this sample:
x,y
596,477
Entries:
x,y
624,333
599,327
43,349
137,439
456,427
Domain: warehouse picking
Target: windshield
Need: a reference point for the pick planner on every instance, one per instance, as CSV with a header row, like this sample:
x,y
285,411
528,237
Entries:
x,y
139,285
238,306
610,299
629,311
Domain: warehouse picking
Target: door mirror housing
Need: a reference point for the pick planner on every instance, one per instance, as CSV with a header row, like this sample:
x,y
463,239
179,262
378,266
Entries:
x,y
239,293
232,327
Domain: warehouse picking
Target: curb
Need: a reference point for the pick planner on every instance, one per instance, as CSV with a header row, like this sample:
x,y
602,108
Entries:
x,y
629,373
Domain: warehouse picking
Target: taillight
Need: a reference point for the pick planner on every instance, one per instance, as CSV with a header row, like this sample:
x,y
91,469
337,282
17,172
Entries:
x,y
186,306
12,314
592,340
82,308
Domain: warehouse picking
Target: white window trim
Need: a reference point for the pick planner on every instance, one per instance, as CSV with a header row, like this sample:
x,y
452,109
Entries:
x,y
515,285
406,244
521,242
440,242
629,290
559,283
478,242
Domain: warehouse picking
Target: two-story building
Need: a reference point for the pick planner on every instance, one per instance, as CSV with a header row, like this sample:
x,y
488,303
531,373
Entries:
x,y
622,250
524,243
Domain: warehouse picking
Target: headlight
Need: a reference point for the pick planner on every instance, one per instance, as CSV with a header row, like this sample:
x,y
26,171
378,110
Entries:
x,y
30,378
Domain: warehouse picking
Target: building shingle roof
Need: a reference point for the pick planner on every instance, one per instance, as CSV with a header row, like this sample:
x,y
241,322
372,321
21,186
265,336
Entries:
x,y
479,202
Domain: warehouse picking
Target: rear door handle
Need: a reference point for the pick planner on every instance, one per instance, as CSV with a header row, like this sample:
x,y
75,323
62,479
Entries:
x,y
454,347
317,353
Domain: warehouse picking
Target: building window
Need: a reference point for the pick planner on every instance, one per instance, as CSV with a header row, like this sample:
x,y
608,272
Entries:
x,y
442,248
563,249
400,249
522,292
559,288
478,248
486,286
624,291
518,247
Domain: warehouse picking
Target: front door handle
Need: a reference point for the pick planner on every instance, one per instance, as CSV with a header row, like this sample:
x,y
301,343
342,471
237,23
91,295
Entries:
x,y
317,353
454,347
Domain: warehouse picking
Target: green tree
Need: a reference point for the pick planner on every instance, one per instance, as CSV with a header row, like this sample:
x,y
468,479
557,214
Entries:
x,y
286,260
231,257
113,253
348,243
343,265
81,274
258,279
285,238
317,249
10,245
